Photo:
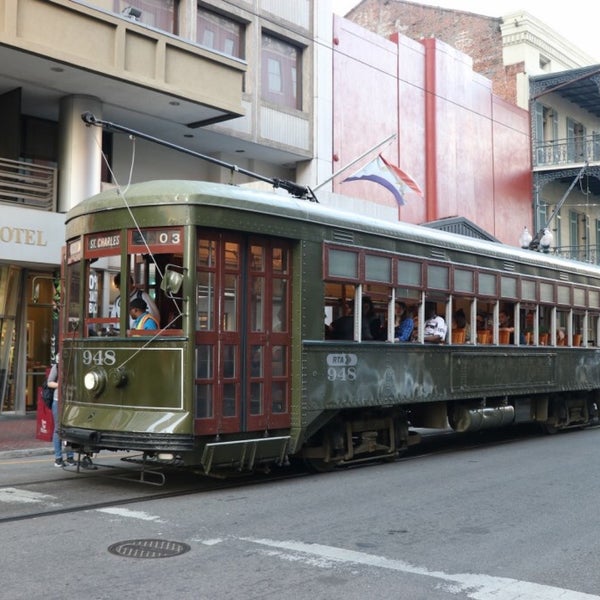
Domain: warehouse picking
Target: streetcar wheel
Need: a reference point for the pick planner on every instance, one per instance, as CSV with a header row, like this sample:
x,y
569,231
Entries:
x,y
549,429
86,463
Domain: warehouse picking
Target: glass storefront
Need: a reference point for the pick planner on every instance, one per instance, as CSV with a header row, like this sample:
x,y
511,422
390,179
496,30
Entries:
x,y
28,342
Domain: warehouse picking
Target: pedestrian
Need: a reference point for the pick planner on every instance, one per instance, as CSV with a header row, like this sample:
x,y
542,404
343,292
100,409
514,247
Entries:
x,y
56,441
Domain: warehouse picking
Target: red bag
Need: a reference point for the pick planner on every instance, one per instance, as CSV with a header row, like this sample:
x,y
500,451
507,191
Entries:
x,y
45,422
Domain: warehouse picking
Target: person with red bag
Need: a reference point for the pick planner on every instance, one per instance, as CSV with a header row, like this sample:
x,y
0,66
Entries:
x,y
56,441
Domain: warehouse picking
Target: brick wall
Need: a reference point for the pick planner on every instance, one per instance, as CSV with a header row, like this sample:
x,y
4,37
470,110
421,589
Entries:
x,y
477,36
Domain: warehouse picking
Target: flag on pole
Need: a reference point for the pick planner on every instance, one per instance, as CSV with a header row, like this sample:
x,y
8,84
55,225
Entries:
x,y
388,175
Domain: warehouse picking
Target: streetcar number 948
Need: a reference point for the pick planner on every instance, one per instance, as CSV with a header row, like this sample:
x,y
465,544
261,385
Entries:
x,y
99,357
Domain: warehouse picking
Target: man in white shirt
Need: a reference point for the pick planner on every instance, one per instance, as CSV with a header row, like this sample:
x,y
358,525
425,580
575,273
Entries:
x,y
135,293
435,326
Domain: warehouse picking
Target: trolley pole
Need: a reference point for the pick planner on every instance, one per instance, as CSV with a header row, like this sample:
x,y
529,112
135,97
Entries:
x,y
298,191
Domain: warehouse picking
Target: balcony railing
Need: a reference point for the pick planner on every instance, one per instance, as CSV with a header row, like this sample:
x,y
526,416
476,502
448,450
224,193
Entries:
x,y
579,253
27,184
567,151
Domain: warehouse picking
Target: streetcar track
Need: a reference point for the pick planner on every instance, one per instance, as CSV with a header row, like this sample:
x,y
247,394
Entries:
x,y
213,485
433,445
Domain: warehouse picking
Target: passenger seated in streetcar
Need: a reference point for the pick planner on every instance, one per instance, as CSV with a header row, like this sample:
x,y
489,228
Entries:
x,y
371,323
342,328
460,322
403,323
435,326
505,324
142,319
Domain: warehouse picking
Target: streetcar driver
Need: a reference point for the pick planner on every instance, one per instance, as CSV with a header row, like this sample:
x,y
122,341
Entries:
x,y
142,319
136,292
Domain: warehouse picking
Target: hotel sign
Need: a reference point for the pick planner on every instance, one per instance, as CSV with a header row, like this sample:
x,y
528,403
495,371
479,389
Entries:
x,y
31,236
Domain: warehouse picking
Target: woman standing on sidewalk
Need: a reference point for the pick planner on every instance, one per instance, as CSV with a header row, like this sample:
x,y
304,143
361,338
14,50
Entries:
x,y
53,384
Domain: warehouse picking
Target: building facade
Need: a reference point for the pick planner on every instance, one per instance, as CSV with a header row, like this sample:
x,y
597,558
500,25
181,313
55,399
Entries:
x,y
467,149
533,67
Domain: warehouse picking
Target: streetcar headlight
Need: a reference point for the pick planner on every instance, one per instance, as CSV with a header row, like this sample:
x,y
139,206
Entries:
x,y
94,381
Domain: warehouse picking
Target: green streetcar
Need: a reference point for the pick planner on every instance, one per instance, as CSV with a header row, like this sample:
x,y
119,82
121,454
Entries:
x,y
242,372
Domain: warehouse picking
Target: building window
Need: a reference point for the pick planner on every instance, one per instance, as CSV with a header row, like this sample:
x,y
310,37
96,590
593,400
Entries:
x,y
160,14
219,33
280,72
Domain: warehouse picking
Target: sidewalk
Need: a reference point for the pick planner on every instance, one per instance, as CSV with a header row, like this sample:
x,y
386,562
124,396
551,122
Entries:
x,y
17,437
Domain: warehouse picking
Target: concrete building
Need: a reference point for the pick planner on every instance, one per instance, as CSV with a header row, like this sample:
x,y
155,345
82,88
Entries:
x,y
231,80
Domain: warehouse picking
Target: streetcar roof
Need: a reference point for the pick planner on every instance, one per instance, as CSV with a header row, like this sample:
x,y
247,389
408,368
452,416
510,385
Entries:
x,y
192,192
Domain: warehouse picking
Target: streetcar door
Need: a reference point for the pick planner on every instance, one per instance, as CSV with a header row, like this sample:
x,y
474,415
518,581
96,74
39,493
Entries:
x,y
242,345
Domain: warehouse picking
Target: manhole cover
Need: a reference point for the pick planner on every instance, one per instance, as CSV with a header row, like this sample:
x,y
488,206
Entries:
x,y
148,548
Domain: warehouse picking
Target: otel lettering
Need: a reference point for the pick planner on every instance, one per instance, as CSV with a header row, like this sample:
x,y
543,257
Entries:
x,y
20,235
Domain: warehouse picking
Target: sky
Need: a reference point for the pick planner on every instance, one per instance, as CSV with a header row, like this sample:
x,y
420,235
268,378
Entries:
x,y
576,20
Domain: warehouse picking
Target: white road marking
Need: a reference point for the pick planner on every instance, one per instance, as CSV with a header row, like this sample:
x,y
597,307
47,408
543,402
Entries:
x,y
17,496
474,585
131,514
212,542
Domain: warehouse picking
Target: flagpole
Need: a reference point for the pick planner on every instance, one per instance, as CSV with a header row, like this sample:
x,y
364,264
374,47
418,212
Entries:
x,y
387,139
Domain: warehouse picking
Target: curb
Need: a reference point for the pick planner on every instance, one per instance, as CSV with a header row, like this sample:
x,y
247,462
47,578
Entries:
x,y
26,452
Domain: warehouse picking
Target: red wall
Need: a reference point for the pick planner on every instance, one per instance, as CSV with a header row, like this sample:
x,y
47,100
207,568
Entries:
x,y
468,150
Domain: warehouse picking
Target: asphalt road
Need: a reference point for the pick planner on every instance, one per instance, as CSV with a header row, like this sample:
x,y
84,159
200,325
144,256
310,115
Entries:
x,y
514,519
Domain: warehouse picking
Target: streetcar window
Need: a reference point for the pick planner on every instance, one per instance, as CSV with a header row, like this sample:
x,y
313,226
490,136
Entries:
x,y
256,398
280,260
592,330
73,303
95,299
528,290
578,326
546,292
563,294
487,284
578,297
342,264
409,273
378,268
279,361
279,305
257,258
229,361
205,301
508,287
230,315
408,295
438,277
256,303
204,401
464,281
206,253
278,398
229,399
256,362
204,408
